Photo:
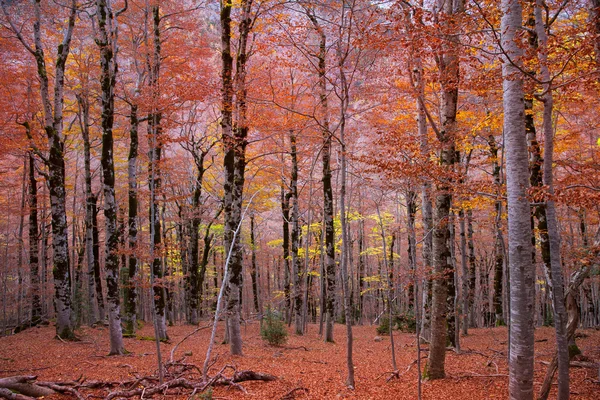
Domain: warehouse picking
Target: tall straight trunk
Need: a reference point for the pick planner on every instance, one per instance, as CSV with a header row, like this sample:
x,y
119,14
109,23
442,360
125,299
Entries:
x,y
361,269
96,257
472,269
254,268
130,296
90,204
498,237
345,100
465,273
234,135
448,65
426,206
106,41
519,227
295,238
193,277
411,211
154,179
20,288
285,211
329,233
36,305
555,267
53,127
452,305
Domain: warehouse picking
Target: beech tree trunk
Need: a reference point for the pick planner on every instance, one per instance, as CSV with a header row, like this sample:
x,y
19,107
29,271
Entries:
x,y
329,239
129,292
235,141
295,238
53,127
519,227
154,179
285,212
555,267
36,305
448,64
254,267
106,41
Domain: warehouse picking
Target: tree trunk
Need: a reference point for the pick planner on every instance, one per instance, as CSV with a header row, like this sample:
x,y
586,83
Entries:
x,y
130,296
106,41
234,146
295,238
448,64
329,238
253,270
555,267
154,179
519,226
36,305
285,211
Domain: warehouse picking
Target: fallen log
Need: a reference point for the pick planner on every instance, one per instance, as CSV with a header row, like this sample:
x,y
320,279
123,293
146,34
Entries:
x,y
7,394
25,385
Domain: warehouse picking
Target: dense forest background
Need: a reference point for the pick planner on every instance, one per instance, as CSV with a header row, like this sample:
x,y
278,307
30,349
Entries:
x,y
432,165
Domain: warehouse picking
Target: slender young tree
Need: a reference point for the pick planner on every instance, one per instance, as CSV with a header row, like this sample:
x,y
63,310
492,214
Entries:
x,y
36,305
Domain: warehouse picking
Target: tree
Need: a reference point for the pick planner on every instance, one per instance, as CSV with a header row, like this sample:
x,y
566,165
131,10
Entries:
x,y
107,42
448,65
53,127
519,226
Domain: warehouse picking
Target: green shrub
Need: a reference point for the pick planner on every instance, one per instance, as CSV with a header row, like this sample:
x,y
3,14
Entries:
x,y
273,329
406,322
384,326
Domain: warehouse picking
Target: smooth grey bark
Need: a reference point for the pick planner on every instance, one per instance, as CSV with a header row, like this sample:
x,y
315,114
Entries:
x,y
343,50
107,42
519,226
556,274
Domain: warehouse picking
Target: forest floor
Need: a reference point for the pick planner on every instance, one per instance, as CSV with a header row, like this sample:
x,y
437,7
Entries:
x,y
316,368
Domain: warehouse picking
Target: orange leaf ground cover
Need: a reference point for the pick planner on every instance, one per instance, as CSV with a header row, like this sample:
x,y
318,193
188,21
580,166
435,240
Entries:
x,y
477,373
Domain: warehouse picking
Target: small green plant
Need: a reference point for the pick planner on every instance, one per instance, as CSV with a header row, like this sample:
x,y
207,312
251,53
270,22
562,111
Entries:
x,y
384,326
208,395
406,322
273,329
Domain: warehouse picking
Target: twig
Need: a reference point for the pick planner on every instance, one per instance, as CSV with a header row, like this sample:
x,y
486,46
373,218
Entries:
x,y
185,338
292,393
